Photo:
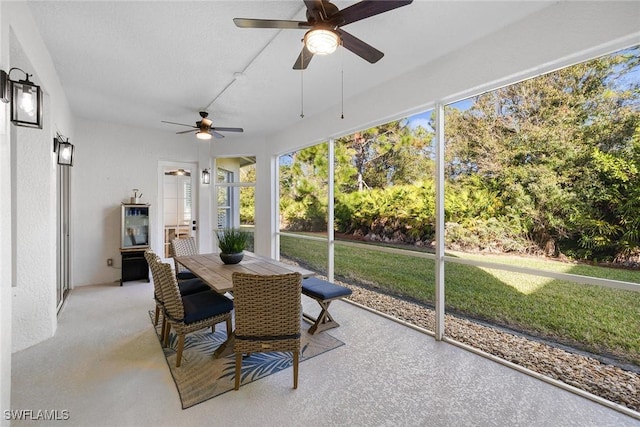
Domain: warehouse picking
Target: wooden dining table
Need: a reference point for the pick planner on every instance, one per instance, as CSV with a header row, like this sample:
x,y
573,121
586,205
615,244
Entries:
x,y
218,275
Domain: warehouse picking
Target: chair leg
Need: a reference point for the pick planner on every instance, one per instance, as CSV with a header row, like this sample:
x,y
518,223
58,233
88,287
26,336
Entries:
x,y
238,370
166,334
163,330
296,360
229,327
180,347
157,316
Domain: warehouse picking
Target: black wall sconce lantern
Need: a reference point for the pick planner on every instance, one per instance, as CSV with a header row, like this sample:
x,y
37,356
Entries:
x,y
25,97
64,149
206,176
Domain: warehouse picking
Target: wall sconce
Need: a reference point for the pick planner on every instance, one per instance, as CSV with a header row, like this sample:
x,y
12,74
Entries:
x,y
25,97
206,176
65,151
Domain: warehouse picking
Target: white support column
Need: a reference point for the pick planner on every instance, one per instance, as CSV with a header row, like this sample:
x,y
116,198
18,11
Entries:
x,y
330,212
274,229
204,195
439,261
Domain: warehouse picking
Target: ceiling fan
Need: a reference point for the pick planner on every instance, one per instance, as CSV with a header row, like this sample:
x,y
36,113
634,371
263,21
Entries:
x,y
203,128
324,22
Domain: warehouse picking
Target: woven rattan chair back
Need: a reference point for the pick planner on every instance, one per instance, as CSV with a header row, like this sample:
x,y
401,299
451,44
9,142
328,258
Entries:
x,y
170,292
183,247
153,260
267,316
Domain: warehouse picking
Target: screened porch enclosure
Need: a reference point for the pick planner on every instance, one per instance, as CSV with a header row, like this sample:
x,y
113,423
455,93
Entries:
x,y
327,224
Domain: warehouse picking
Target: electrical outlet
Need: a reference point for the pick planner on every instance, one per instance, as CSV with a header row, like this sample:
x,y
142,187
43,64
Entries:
x,y
110,262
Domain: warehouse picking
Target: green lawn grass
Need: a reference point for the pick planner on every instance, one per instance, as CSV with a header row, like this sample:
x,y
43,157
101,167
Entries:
x,y
601,320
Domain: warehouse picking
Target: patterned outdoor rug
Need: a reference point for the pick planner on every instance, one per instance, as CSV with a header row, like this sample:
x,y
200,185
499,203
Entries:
x,y
201,377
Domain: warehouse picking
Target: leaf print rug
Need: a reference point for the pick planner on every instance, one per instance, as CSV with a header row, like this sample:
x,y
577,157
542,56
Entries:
x,y
201,377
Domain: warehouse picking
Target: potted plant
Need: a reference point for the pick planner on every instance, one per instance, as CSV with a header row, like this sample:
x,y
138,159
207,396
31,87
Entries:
x,y
232,242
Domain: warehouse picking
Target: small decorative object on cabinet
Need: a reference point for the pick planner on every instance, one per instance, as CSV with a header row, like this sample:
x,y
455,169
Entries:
x,y
134,240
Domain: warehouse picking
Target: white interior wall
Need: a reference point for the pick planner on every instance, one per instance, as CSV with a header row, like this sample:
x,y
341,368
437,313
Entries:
x,y
28,190
6,258
113,160
33,184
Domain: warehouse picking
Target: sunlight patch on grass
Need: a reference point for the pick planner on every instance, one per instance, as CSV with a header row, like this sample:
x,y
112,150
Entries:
x,y
521,261
524,283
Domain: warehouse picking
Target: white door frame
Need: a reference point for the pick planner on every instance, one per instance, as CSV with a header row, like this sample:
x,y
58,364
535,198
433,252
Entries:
x,y
63,253
157,242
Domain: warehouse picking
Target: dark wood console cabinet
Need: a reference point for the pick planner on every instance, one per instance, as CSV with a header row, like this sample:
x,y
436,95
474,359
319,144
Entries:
x,y
134,265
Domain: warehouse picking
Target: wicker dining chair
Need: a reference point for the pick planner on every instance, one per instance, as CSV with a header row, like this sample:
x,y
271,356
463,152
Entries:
x,y
183,247
187,287
153,260
267,316
190,313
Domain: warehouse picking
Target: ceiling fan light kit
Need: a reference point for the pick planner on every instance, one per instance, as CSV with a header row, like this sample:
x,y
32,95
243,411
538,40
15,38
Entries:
x,y
203,135
204,129
325,22
321,41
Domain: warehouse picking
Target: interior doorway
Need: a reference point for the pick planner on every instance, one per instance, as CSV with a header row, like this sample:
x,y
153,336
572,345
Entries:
x,y
178,209
63,236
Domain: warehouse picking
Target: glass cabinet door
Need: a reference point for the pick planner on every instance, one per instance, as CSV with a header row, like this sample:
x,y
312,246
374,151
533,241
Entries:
x,y
135,226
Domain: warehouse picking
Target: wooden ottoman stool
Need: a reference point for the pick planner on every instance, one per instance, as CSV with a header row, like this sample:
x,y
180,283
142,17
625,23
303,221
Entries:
x,y
323,292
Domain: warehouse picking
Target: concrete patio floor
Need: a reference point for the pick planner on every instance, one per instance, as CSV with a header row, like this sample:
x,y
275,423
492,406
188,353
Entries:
x,y
105,367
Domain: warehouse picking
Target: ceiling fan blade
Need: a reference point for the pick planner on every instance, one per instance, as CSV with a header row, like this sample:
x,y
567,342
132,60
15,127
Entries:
x,y
360,48
228,129
174,123
303,59
216,134
270,23
186,131
365,9
314,5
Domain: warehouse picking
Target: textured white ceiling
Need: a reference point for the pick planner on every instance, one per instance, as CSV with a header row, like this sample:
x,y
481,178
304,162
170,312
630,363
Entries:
x,y
142,62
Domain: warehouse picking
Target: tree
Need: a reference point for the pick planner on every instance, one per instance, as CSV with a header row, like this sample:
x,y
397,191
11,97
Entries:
x,y
389,154
303,189
546,146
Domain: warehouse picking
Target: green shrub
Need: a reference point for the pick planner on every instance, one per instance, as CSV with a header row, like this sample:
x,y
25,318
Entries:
x,y
491,235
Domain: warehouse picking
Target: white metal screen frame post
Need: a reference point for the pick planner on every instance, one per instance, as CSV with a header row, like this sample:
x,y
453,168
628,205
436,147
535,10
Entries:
x,y
330,211
275,207
439,261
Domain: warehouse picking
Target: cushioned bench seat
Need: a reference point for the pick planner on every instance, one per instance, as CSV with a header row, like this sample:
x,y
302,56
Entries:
x,y
323,292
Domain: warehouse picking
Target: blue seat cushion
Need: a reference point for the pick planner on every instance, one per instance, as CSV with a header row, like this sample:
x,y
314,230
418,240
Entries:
x,y
321,289
193,286
185,274
203,305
